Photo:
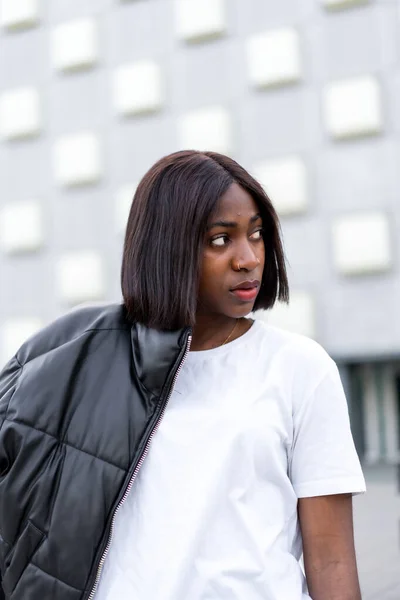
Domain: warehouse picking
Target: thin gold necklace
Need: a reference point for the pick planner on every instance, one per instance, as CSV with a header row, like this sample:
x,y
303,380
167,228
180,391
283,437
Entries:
x,y
231,333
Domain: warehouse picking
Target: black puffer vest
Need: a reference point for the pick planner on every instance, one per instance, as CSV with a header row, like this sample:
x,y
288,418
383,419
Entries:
x,y
78,405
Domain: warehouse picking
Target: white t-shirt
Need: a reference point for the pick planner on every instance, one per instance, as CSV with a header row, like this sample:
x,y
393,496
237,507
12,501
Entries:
x,y
250,427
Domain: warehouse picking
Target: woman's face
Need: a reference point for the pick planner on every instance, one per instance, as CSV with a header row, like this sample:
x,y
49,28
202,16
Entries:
x,y
233,257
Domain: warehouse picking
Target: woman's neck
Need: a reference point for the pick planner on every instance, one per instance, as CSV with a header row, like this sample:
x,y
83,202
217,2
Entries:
x,y
211,332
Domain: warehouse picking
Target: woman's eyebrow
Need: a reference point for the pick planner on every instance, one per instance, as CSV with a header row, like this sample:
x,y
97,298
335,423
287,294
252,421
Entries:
x,y
222,224
232,223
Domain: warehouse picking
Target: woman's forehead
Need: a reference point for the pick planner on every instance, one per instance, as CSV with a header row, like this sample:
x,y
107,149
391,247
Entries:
x,y
236,202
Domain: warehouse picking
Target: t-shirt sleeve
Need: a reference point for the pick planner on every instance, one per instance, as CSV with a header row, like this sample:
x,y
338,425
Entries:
x,y
323,457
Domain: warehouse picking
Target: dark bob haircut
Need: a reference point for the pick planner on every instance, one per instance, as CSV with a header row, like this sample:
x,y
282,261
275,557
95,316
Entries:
x,y
165,237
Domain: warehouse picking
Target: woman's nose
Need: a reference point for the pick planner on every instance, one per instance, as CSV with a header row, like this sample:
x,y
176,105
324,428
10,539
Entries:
x,y
247,261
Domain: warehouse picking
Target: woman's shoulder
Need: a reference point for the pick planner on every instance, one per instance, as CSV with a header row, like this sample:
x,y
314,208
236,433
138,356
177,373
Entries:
x,y
298,365
293,349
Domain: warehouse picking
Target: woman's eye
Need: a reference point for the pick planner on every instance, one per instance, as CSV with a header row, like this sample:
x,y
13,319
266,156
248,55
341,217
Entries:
x,y
219,241
257,235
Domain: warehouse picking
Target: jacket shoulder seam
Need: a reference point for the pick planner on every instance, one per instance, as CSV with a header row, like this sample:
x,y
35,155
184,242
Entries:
x,y
108,462
83,331
107,329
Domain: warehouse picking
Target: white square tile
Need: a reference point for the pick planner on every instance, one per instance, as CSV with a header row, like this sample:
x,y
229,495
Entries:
x,y
274,58
298,317
123,203
18,13
197,20
21,227
342,3
80,277
206,129
77,159
138,88
361,243
285,181
20,113
353,107
15,332
74,45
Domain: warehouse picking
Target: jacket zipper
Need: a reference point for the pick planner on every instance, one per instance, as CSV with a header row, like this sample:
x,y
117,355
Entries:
x,y
136,471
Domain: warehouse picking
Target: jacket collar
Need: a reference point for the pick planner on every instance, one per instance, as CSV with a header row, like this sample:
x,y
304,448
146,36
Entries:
x,y
157,355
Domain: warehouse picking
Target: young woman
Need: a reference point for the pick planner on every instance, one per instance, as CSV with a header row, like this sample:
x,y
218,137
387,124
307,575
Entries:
x,y
172,448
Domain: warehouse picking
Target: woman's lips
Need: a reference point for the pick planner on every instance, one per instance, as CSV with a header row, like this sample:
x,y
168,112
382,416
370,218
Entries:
x,y
246,295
